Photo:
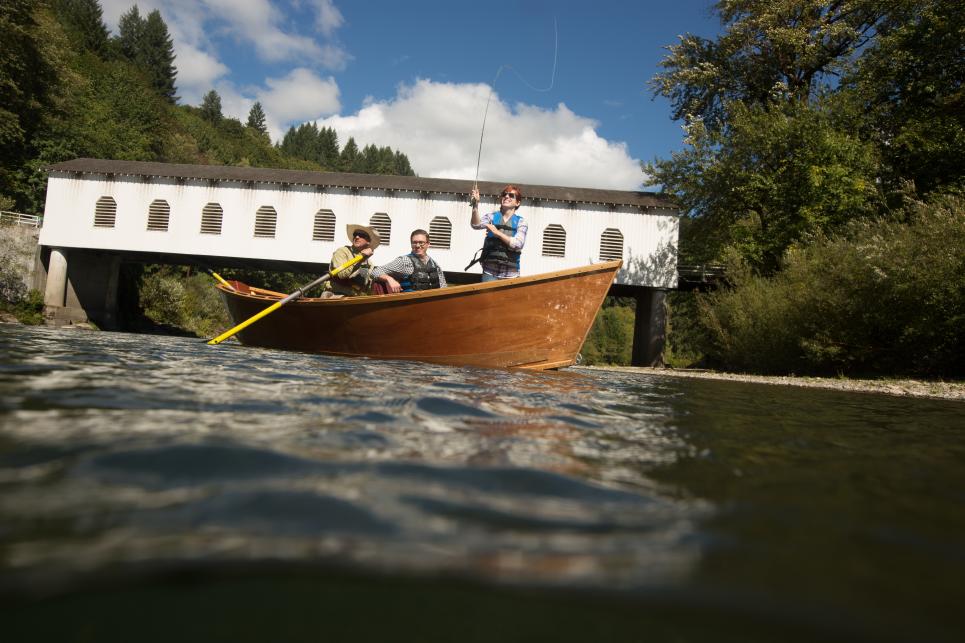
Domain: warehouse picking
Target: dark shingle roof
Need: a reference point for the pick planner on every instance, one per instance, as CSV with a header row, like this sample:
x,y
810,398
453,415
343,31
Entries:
x,y
644,200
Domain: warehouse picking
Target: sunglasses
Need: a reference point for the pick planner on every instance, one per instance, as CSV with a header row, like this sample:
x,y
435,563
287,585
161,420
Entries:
x,y
511,194
363,235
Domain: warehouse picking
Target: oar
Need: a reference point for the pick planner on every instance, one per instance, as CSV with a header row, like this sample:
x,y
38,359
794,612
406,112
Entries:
x,y
281,302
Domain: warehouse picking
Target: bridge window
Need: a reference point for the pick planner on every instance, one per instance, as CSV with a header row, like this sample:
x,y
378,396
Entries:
x,y
324,229
440,233
105,212
383,225
266,219
158,215
554,241
211,216
611,245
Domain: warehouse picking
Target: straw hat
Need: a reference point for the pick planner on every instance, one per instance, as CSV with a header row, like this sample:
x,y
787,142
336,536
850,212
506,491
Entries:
x,y
374,238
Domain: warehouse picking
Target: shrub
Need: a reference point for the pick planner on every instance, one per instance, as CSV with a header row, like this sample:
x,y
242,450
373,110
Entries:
x,y
882,297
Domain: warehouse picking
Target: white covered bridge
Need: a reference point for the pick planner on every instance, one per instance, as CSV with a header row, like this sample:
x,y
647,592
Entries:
x,y
100,213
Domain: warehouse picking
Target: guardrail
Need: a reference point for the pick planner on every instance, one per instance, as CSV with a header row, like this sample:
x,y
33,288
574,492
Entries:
x,y
17,218
700,277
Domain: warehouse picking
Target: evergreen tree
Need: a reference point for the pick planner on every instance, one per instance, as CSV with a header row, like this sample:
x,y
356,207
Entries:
x,y
256,119
130,35
157,56
329,147
84,22
348,160
211,107
402,166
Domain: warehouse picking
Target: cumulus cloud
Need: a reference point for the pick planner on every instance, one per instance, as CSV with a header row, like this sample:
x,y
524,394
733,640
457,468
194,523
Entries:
x,y
296,98
437,125
329,18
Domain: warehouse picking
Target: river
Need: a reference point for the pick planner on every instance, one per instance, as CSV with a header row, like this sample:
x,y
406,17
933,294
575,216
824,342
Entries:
x,y
156,488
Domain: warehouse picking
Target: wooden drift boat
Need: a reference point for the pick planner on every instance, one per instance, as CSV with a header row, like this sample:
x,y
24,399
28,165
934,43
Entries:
x,y
536,322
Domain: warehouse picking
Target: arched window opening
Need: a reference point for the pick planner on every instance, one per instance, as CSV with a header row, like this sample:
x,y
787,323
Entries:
x,y
324,228
611,245
105,212
266,220
383,225
211,217
158,215
554,241
440,233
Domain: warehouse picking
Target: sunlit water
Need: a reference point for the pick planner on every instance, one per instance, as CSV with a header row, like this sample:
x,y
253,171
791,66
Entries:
x,y
145,476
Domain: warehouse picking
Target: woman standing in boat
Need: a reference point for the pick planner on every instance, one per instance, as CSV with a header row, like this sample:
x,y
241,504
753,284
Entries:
x,y
506,234
358,279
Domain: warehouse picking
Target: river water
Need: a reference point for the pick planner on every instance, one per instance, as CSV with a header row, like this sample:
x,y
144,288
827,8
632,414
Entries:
x,y
154,488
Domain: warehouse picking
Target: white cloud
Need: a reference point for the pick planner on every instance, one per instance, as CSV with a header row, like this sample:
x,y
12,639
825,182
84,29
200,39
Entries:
x,y
437,125
329,17
298,97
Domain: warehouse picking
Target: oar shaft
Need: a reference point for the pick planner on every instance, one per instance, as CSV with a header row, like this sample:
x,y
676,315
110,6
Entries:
x,y
278,304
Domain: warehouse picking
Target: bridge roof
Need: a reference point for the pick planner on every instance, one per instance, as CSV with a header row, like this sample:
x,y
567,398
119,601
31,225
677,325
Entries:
x,y
643,200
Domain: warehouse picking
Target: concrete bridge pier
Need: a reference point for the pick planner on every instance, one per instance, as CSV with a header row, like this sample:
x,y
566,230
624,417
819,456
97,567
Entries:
x,y
83,289
649,328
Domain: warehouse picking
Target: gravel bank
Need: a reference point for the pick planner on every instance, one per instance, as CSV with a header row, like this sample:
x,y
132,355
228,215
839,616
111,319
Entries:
x,y
910,388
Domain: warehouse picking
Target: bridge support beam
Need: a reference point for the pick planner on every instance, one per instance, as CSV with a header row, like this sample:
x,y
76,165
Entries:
x,y
83,289
649,328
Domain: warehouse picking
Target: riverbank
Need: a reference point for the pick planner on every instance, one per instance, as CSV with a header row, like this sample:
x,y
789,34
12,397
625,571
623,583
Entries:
x,y
901,387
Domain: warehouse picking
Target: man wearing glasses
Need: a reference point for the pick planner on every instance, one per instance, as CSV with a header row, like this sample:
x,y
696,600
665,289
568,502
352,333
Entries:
x,y
358,280
414,271
505,237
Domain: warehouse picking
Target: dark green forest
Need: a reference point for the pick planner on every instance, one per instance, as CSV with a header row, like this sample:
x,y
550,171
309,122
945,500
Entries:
x,y
821,167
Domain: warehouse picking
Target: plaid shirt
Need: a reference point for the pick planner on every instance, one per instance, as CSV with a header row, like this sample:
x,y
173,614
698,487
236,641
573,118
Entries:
x,y
402,267
517,243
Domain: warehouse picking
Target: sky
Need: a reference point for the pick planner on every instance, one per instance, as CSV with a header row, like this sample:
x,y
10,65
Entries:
x,y
526,91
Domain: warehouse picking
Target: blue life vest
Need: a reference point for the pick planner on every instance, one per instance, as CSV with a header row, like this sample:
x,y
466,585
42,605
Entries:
x,y
494,250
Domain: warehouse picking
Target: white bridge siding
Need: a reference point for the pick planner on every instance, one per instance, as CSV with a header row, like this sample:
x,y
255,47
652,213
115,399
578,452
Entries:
x,y
649,234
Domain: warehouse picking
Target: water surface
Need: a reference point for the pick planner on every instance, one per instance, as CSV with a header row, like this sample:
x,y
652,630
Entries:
x,y
263,495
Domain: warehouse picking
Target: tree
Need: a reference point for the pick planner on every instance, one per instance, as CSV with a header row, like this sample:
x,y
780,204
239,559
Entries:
x,y
146,43
84,22
770,50
27,81
157,56
349,158
766,161
130,35
256,119
211,107
908,95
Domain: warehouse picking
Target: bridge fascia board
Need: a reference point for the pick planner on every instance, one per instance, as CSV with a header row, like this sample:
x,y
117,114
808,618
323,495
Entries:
x,y
644,201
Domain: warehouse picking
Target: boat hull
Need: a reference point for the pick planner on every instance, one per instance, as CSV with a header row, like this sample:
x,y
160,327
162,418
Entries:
x,y
535,322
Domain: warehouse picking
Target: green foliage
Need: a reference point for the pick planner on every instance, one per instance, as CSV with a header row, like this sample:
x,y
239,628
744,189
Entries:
x,y
211,107
881,297
907,93
172,296
610,341
84,23
778,173
28,83
28,310
685,334
256,119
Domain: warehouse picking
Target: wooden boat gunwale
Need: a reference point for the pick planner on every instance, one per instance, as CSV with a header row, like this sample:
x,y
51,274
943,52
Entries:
x,y
456,290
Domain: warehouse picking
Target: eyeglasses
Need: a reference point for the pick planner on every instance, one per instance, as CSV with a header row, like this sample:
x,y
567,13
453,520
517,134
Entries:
x,y
420,243
514,195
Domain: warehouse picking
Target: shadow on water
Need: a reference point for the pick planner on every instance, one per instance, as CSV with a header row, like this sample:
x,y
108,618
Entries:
x,y
154,488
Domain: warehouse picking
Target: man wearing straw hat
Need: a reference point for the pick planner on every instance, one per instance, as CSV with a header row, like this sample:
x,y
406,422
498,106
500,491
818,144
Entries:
x,y
357,280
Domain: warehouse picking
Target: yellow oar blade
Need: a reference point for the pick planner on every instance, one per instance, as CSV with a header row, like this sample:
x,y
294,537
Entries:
x,y
245,324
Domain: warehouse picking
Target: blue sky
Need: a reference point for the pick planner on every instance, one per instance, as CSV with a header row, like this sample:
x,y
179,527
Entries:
x,y
416,76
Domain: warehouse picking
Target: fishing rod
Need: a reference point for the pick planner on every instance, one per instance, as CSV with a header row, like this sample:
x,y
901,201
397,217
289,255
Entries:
x,y
492,89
